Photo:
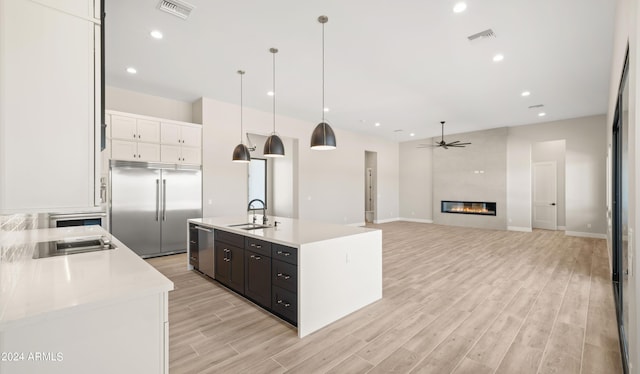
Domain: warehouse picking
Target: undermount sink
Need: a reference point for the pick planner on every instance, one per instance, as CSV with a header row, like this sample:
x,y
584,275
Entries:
x,y
72,246
249,226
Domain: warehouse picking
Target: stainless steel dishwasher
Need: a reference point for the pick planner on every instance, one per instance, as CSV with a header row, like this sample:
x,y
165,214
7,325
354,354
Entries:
x,y
205,250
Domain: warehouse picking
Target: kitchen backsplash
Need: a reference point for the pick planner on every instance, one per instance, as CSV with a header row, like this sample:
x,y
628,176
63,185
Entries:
x,y
13,254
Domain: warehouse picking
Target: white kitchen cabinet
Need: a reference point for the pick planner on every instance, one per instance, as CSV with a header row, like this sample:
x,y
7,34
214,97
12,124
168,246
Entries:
x,y
129,128
49,105
180,155
136,137
178,134
134,151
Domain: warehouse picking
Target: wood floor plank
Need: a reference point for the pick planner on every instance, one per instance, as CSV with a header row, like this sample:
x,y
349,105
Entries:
x,y
520,359
455,299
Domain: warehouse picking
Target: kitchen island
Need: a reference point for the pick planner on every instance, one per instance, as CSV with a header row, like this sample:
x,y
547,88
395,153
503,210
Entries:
x,y
104,311
308,273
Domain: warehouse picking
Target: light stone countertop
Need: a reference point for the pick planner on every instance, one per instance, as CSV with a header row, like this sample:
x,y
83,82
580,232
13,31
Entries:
x,y
291,232
61,284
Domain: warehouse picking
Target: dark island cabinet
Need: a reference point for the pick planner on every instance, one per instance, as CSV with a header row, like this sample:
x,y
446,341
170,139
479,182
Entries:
x,y
229,260
257,278
257,271
264,272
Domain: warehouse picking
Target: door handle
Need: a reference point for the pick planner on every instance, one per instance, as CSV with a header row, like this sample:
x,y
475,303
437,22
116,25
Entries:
x,y
164,199
157,199
553,204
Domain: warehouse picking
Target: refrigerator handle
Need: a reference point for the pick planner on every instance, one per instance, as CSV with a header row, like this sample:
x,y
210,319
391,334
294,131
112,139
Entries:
x,y
157,199
164,199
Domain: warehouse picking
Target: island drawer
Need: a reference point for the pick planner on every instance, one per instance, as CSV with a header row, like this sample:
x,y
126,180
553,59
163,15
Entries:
x,y
284,253
285,304
258,246
284,275
230,238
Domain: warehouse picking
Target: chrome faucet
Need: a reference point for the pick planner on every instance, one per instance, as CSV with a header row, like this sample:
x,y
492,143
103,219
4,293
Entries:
x,y
264,211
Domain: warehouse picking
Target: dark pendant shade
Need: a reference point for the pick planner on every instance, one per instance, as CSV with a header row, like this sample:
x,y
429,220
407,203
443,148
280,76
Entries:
x,y
323,138
273,147
241,154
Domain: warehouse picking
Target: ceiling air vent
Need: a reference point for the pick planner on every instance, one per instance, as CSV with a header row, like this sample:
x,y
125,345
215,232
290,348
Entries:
x,y
536,106
488,33
178,8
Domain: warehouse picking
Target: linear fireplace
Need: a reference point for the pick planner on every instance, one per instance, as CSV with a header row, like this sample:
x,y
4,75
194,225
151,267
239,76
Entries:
x,y
482,208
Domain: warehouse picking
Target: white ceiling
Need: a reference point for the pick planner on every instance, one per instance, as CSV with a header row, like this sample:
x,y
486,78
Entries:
x,y
405,64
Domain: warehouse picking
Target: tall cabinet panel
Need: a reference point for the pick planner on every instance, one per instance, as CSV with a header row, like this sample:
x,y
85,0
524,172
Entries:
x,y
49,86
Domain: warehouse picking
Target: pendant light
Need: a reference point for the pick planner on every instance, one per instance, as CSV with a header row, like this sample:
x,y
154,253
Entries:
x,y
273,147
241,152
323,138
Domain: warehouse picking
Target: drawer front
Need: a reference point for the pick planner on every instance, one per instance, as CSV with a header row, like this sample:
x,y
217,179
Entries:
x,y
284,275
258,246
284,253
285,304
230,238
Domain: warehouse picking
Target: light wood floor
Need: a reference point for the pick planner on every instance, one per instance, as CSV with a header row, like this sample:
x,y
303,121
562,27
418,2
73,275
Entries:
x,y
456,300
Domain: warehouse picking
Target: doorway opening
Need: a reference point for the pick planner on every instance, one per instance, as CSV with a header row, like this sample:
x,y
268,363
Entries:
x,y
370,182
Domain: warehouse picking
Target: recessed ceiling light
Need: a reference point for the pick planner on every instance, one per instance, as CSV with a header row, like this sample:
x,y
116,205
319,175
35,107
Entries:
x,y
377,124
156,34
412,134
542,114
498,57
326,109
270,93
131,70
459,7
525,93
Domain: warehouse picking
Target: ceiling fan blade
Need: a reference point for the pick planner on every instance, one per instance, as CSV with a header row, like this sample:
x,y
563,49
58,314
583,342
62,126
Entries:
x,y
457,141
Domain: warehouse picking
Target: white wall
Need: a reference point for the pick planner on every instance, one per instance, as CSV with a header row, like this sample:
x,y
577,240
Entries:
x,y
477,172
585,172
329,183
554,150
416,185
134,102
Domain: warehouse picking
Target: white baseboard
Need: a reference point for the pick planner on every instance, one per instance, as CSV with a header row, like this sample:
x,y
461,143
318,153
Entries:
x,y
419,220
518,228
386,220
562,228
585,234
357,224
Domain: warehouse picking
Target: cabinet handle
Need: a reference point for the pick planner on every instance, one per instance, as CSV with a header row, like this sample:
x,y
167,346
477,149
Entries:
x,y
138,136
134,136
284,303
256,245
283,253
256,257
285,276
193,258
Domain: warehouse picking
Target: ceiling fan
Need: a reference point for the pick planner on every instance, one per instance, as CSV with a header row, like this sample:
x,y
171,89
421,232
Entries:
x,y
444,144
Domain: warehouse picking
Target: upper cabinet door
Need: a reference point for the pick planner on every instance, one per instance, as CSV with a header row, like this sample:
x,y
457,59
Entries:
x,y
170,133
123,128
191,136
47,121
148,131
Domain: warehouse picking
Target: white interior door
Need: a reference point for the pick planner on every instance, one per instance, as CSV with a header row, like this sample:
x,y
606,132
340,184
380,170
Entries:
x,y
545,209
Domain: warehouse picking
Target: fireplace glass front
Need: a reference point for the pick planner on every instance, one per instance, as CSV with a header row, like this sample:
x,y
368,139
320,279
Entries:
x,y
482,208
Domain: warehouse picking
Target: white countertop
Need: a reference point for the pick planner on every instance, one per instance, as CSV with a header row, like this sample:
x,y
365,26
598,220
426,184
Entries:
x,y
291,232
59,284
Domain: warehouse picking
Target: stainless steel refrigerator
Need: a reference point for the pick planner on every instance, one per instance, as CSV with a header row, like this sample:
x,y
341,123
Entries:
x,y
150,204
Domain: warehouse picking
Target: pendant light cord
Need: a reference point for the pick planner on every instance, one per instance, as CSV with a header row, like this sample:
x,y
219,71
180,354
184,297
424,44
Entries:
x,y
323,72
241,127
274,92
